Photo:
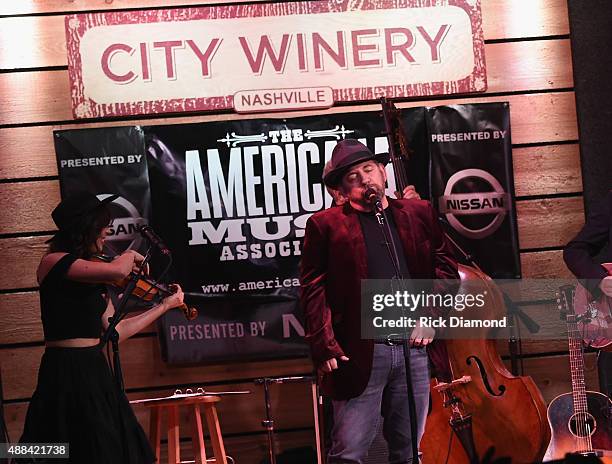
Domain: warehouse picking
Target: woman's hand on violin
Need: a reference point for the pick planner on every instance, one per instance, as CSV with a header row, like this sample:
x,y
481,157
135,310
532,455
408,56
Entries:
x,y
137,263
176,299
132,325
136,268
138,258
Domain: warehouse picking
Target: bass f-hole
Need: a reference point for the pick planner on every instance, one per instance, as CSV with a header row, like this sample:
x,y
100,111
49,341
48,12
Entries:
x,y
485,378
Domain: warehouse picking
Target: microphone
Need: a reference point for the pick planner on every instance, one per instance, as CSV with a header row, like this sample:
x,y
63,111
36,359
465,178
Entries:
x,y
370,195
148,233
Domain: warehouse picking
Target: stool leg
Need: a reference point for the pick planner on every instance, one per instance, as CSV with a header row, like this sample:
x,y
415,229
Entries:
x,y
154,431
197,435
215,433
174,447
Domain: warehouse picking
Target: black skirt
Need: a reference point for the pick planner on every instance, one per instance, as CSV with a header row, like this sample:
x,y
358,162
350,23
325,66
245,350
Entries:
x,y
77,402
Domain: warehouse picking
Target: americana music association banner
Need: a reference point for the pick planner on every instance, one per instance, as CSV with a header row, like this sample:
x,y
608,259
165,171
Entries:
x,y
231,199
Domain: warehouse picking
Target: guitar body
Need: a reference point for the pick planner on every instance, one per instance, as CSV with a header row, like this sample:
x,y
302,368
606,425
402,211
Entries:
x,y
564,439
597,327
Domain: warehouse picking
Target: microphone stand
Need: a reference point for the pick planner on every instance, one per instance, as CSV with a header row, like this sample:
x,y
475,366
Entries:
x,y
393,255
268,422
111,333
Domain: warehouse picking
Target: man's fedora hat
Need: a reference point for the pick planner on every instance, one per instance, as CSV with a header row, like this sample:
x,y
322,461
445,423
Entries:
x,y
347,153
75,206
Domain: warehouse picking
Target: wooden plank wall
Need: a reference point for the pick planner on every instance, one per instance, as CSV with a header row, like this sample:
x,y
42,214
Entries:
x,y
529,64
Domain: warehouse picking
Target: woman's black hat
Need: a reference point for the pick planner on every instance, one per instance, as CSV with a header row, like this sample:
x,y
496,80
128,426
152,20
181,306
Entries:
x,y
75,206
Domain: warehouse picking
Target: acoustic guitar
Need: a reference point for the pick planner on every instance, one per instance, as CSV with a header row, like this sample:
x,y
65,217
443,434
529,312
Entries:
x,y
581,421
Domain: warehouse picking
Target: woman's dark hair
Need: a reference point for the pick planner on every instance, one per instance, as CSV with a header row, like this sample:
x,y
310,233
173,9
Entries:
x,y
80,238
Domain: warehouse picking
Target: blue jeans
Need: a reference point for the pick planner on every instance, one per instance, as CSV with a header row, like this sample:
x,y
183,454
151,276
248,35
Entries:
x,y
356,419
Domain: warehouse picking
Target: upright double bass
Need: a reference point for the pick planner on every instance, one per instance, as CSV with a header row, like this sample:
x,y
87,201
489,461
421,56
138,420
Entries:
x,y
477,404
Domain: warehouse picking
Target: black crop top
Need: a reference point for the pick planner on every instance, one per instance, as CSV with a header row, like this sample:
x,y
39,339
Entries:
x,y
70,309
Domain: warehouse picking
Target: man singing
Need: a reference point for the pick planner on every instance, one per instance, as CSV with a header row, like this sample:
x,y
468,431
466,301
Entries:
x,y
342,246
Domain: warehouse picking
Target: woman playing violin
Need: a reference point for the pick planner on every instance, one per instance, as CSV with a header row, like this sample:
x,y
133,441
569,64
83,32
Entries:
x,y
76,399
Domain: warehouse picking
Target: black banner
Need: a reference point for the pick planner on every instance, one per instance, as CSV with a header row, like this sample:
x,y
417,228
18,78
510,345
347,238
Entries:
x,y
232,200
107,161
472,183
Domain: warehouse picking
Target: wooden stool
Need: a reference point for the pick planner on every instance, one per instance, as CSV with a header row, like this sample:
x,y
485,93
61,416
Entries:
x,y
197,433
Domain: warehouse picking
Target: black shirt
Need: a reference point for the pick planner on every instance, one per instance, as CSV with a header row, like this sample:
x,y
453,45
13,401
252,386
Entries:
x,y
379,262
70,309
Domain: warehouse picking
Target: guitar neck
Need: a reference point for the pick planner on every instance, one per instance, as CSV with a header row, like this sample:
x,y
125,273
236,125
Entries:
x,y
576,356
580,424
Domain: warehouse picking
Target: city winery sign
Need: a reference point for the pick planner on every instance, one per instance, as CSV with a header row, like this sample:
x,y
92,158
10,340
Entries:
x,y
270,57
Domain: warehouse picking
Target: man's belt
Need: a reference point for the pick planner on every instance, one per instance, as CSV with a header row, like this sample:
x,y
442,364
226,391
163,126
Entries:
x,y
390,340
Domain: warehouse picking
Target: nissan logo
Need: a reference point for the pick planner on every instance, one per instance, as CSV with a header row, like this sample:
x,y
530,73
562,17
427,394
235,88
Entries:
x,y
495,202
126,227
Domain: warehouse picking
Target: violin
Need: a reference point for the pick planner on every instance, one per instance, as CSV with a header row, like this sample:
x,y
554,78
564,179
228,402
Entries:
x,y
147,289
479,404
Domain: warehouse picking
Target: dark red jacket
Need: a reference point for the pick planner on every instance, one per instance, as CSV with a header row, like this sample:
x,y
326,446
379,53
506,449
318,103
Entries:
x,y
334,263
